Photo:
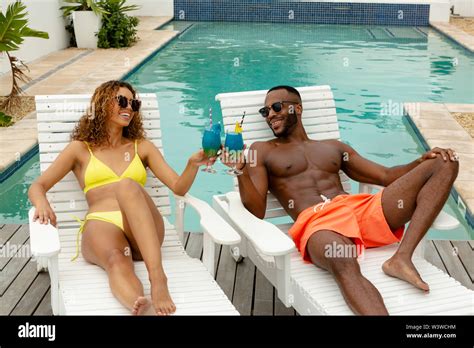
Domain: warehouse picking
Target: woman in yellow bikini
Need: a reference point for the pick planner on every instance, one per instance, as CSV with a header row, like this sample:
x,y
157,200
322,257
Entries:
x,y
108,154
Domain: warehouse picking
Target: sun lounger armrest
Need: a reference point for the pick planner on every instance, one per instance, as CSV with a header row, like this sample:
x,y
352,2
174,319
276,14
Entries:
x,y
367,188
217,228
444,221
44,239
265,236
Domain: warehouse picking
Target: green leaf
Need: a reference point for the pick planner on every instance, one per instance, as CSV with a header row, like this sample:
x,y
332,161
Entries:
x,y
13,30
82,5
118,29
5,120
14,27
27,32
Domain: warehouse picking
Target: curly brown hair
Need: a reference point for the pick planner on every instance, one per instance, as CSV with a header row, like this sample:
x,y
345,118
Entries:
x,y
91,127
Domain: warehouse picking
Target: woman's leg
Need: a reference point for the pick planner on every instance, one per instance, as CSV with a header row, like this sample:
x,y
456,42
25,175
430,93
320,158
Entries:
x,y
105,245
144,233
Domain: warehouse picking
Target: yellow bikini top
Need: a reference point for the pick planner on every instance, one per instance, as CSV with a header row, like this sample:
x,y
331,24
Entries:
x,y
99,174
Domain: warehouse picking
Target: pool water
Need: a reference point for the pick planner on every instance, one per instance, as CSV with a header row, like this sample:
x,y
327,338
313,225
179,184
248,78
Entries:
x,y
14,203
371,70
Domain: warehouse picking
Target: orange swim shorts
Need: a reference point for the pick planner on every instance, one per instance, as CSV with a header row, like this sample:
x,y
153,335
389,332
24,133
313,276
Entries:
x,y
359,217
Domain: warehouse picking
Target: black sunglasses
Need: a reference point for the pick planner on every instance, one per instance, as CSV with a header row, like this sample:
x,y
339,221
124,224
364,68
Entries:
x,y
123,102
265,111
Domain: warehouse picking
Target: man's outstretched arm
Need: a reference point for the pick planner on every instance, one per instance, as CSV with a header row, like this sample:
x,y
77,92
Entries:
x,y
363,170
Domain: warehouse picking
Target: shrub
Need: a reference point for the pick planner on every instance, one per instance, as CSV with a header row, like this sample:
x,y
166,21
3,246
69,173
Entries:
x,y
5,120
118,29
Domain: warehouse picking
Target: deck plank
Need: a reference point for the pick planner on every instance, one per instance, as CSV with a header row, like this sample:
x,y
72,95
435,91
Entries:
x,y
471,244
279,307
14,265
432,256
44,307
194,245
453,263
263,298
32,298
216,258
466,255
244,287
7,232
185,239
17,239
16,290
226,272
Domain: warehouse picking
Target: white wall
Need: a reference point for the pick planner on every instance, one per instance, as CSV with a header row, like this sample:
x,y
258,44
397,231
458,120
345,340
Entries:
x,y
153,7
43,15
463,8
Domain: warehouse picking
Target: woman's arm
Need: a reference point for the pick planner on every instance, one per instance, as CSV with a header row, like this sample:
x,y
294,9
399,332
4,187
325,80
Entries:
x,y
178,184
62,165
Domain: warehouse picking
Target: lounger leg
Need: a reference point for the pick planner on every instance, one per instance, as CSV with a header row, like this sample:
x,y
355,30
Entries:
x,y
179,223
54,276
239,251
283,280
209,251
41,264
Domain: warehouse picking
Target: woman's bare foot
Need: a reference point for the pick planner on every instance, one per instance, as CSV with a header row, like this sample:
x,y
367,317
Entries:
x,y
404,269
142,306
161,298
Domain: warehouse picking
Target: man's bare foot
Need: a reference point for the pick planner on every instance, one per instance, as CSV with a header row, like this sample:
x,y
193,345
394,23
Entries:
x,y
142,306
161,298
405,270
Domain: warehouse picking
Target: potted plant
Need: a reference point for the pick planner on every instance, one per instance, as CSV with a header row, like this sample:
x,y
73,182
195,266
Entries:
x,y
87,21
13,30
118,29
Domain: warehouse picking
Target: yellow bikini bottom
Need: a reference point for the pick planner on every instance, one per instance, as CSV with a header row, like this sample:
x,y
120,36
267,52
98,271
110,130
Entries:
x,y
113,217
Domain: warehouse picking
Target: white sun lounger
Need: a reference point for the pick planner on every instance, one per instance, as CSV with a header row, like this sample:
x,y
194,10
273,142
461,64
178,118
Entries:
x,y
311,290
80,288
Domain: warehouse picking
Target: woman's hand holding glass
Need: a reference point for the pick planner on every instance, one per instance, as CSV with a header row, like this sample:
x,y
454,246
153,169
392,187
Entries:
x,y
211,144
201,158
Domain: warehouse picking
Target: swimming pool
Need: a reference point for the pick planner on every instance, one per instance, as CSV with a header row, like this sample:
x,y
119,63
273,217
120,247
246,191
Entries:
x,y
371,69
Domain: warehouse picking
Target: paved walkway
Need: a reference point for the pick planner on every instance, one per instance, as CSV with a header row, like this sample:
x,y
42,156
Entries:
x,y
458,35
439,128
77,71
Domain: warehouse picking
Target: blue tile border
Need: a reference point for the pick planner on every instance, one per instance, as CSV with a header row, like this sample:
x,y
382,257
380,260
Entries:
x,y
454,193
281,11
18,164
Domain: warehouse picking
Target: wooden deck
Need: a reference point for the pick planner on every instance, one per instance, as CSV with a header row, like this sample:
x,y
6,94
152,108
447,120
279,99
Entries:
x,y
23,291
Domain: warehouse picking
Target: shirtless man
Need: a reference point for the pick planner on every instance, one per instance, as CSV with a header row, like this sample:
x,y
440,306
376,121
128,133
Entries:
x,y
304,176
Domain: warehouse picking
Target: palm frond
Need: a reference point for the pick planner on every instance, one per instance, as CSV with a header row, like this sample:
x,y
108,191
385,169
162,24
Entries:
x,y
13,30
82,5
14,27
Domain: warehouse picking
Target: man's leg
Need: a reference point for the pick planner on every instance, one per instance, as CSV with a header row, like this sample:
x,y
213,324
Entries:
x,y
418,196
360,294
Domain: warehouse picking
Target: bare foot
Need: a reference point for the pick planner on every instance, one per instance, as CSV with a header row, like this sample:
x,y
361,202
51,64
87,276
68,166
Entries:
x,y
142,306
405,270
161,298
